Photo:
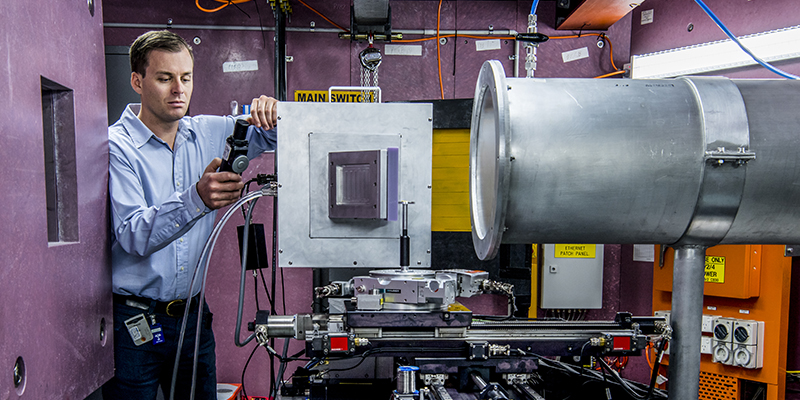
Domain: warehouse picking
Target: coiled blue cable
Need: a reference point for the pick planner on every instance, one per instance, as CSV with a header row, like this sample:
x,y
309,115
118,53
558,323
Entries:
x,y
736,40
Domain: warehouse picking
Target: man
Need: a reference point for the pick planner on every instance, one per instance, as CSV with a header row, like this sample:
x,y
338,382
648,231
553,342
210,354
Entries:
x,y
164,188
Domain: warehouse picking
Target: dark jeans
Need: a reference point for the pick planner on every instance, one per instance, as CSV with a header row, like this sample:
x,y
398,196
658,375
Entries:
x,y
141,369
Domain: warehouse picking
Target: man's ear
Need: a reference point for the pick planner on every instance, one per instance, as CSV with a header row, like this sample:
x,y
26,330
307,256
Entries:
x,y
136,82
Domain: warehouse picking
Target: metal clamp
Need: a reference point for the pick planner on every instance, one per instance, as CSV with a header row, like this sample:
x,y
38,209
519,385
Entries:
x,y
721,155
725,126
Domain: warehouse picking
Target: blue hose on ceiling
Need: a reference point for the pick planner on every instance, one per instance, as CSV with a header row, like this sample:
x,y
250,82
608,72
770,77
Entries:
x,y
533,6
736,40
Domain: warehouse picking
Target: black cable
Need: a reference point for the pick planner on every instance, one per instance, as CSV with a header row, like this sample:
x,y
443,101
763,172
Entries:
x,y
274,266
625,386
245,190
255,287
244,392
281,368
239,8
283,291
367,353
245,243
261,26
656,366
588,342
455,41
363,357
266,289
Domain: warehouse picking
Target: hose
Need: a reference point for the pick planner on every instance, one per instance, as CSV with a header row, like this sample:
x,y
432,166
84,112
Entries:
x,y
204,255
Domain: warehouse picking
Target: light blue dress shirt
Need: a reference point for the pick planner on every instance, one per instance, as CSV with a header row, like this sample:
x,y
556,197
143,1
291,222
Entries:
x,y
160,221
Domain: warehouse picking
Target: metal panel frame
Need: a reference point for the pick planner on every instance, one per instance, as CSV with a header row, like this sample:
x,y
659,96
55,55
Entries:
x,y
307,132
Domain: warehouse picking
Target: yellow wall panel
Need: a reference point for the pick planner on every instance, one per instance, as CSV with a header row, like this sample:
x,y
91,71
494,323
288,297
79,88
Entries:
x,y
460,174
450,135
446,186
450,190
452,198
451,148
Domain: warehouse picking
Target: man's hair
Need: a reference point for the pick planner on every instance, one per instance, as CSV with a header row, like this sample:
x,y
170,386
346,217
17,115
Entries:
x,y
155,40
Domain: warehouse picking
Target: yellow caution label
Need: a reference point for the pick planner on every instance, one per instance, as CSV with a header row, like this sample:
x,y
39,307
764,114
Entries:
x,y
715,269
575,250
321,96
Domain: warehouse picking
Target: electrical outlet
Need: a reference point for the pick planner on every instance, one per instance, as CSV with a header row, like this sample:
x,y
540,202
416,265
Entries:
x,y
721,343
748,343
748,332
705,345
708,323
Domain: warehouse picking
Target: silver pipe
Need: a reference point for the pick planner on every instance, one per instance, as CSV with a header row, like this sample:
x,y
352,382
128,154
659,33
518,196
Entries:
x,y
686,321
429,32
432,32
478,380
196,27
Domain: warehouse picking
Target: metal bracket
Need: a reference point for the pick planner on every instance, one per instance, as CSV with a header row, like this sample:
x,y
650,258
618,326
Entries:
x,y
792,250
479,351
720,156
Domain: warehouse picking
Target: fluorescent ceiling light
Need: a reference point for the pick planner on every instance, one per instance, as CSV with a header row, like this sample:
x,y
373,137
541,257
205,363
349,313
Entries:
x,y
781,44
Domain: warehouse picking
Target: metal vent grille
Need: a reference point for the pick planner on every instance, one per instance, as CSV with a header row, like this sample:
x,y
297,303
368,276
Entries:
x,y
718,387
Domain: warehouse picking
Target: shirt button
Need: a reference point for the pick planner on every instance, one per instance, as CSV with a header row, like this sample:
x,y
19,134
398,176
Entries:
x,y
181,268
177,225
181,240
198,209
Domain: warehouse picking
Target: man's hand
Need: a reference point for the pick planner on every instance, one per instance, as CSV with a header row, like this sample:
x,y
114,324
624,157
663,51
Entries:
x,y
264,112
218,189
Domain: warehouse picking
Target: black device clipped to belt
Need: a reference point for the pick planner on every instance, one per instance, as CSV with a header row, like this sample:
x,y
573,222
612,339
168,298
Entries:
x,y
234,159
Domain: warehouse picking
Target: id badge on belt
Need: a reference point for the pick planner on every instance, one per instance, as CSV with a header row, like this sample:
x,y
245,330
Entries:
x,y
139,329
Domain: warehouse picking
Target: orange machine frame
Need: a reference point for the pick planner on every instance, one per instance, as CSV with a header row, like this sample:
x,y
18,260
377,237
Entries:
x,y
756,287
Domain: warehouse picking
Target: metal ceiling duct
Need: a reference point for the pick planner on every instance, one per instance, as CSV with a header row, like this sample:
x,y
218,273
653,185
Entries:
x,y
693,160
689,162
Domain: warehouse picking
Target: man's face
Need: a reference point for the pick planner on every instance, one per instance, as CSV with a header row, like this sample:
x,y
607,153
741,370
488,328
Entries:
x,y
166,87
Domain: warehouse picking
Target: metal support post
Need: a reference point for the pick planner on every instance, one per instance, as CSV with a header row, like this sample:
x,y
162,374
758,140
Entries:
x,y
280,54
687,317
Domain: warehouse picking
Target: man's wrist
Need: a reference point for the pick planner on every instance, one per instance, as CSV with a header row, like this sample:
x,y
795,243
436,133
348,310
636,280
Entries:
x,y
195,204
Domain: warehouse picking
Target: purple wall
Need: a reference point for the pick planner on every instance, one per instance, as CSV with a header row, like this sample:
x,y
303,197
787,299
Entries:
x,y
322,60
54,297
671,19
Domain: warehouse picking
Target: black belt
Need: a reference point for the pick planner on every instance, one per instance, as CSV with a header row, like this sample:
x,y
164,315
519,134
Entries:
x,y
174,308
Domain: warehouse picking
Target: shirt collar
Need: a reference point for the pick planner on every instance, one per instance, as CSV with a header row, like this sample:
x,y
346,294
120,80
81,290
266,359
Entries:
x,y
140,133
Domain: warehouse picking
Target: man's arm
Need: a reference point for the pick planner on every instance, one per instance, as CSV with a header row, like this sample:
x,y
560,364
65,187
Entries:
x,y
263,119
139,228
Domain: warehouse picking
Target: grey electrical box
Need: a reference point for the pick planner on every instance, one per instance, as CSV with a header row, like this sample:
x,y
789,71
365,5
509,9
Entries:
x,y
572,276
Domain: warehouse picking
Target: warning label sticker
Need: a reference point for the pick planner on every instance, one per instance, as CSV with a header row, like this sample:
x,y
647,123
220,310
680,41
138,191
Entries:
x,y
321,96
575,250
715,269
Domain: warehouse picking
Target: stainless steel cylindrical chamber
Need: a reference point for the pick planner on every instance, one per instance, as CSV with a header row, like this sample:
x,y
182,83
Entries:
x,y
687,161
